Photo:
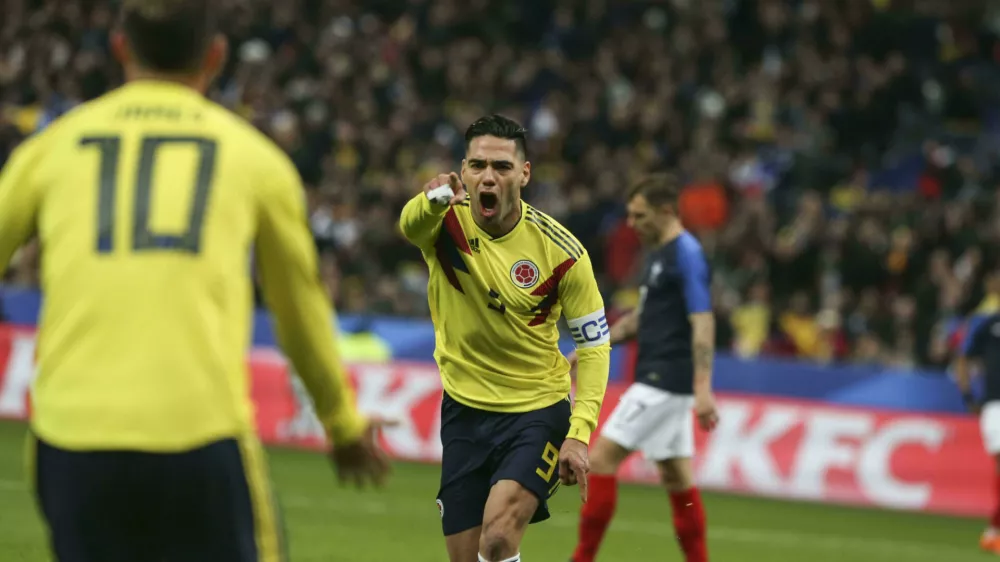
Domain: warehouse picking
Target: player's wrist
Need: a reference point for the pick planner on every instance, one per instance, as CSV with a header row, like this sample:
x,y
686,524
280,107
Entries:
x,y
347,426
432,207
702,386
579,430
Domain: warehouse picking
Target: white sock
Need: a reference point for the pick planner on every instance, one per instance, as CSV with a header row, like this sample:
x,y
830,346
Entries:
x,y
515,558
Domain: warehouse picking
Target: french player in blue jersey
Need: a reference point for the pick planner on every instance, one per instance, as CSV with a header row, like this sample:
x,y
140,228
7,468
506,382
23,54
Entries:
x,y
982,344
675,330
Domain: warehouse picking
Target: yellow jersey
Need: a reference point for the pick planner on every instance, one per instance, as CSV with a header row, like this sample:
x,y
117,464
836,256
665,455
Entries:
x,y
148,203
495,303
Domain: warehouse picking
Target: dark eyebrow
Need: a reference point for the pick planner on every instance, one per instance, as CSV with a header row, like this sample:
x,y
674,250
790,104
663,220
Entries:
x,y
495,163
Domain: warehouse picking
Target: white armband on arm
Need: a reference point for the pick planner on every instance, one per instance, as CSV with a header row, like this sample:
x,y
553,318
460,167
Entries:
x,y
591,330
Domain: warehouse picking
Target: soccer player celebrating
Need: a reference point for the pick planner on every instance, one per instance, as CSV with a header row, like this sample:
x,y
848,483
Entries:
x,y
147,202
982,343
675,329
501,272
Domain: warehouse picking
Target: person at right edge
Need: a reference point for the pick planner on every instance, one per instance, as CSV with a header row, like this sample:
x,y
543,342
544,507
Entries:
x,y
982,344
675,330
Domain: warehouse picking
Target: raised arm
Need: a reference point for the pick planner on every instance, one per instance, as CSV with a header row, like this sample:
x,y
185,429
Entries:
x,y
19,201
421,219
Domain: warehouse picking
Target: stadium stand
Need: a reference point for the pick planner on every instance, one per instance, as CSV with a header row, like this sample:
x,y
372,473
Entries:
x,y
841,156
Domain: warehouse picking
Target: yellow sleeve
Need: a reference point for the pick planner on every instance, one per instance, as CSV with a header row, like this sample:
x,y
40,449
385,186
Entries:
x,y
420,220
583,308
19,201
287,264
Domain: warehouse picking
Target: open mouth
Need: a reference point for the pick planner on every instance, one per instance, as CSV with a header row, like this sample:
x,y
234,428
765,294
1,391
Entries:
x,y
488,204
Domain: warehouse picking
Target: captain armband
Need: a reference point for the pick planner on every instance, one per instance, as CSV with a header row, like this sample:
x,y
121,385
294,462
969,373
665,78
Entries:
x,y
591,330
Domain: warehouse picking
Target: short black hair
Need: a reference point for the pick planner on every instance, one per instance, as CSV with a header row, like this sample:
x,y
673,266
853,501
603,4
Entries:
x,y
169,35
501,127
659,189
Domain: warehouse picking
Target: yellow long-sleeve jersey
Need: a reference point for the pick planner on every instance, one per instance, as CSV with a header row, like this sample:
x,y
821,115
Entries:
x,y
495,303
147,203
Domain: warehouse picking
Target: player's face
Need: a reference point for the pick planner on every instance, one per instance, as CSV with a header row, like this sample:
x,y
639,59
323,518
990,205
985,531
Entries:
x,y
494,172
648,221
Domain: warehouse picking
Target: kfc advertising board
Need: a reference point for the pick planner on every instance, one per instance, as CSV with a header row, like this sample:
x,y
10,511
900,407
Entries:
x,y
762,446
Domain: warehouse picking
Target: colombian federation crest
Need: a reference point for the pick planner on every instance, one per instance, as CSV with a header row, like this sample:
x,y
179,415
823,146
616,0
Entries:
x,y
524,274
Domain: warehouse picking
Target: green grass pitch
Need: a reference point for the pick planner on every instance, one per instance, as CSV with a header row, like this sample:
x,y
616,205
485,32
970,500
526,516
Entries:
x,y
330,524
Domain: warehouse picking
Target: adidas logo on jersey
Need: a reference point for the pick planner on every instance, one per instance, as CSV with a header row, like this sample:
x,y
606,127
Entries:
x,y
474,244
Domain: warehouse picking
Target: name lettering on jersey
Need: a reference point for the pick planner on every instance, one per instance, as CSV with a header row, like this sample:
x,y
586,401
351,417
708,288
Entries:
x,y
524,274
474,244
591,330
152,112
450,245
549,291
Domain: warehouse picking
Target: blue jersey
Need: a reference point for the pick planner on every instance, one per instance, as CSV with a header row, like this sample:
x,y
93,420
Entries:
x,y
983,342
676,284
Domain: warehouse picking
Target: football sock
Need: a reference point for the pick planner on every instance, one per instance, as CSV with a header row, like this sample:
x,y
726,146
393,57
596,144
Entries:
x,y
995,520
689,524
516,558
595,515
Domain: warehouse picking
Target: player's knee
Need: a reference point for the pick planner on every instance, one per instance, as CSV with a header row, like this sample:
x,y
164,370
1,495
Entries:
x,y
501,535
674,477
498,543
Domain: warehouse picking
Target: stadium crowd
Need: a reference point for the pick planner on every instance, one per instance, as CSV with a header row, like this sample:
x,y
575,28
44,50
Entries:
x,y
839,157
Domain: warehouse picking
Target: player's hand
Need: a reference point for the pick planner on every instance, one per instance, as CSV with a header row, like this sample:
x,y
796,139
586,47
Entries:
x,y
363,461
574,360
574,464
452,180
704,409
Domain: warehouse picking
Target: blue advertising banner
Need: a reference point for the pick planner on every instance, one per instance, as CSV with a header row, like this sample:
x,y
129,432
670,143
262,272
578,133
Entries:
x,y
381,338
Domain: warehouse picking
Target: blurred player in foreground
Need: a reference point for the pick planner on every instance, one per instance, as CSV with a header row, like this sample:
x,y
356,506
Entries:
x,y
501,273
982,342
147,202
675,330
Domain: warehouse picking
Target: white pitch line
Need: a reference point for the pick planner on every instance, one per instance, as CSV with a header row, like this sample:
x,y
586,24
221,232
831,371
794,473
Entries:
x,y
408,507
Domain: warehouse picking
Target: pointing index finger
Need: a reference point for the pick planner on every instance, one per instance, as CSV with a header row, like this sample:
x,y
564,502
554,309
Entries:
x,y
581,479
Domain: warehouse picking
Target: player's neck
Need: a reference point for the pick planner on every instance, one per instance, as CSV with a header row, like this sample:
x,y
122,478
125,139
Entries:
x,y
195,82
671,232
503,227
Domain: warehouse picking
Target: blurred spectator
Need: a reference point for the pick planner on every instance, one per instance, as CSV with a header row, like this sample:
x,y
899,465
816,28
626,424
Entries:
x,y
752,321
841,155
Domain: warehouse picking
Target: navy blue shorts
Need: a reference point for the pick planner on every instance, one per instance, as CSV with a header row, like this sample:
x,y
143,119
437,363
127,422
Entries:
x,y
481,448
206,504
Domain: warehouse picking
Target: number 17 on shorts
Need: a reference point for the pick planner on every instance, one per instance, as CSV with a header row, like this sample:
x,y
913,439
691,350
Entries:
x,y
654,421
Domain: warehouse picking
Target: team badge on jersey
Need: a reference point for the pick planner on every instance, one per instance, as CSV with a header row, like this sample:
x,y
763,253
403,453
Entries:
x,y
524,274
